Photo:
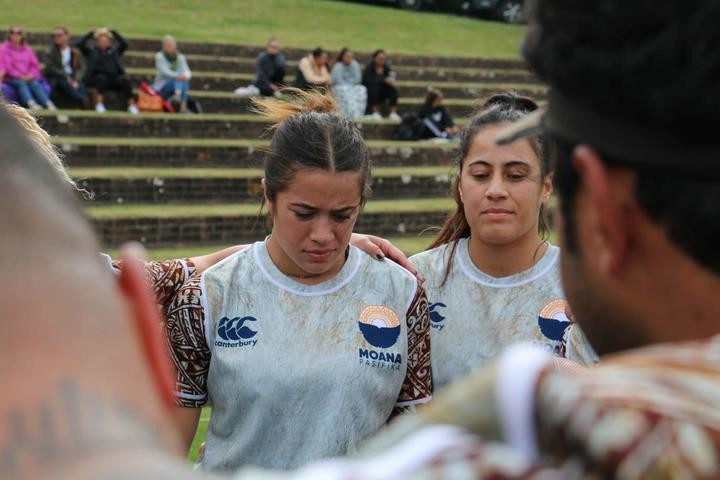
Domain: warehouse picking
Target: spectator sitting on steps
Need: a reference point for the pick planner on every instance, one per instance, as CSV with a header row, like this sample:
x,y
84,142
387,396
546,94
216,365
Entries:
x,y
380,82
437,121
346,77
19,67
312,71
270,75
105,70
172,79
65,67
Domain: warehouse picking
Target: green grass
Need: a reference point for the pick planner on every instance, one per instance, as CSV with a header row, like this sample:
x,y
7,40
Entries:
x,y
142,172
201,430
117,212
297,23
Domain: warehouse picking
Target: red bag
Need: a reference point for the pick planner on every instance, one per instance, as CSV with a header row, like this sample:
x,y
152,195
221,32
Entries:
x,y
156,99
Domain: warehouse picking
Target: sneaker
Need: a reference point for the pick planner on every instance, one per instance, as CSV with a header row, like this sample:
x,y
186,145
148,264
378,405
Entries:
x,y
187,111
250,91
50,105
373,116
277,94
394,117
33,105
100,108
133,109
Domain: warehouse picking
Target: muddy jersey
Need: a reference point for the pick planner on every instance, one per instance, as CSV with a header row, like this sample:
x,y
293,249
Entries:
x,y
294,372
474,315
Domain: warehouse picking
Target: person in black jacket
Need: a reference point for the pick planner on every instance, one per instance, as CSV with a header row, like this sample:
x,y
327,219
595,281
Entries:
x,y
270,72
380,83
437,121
105,70
65,67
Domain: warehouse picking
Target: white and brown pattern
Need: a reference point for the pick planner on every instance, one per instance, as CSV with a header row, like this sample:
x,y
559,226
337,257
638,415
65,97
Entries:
x,y
185,337
164,277
417,387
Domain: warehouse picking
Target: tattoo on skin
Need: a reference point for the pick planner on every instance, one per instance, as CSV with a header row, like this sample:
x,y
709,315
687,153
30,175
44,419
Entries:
x,y
70,424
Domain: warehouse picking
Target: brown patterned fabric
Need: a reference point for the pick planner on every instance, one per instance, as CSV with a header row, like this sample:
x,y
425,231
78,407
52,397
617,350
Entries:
x,y
185,336
164,277
652,413
418,380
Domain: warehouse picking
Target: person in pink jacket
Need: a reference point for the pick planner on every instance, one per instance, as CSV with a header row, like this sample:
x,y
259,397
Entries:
x,y
19,67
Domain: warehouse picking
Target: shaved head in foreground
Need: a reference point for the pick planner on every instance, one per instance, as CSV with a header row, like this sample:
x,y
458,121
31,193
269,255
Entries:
x,y
85,381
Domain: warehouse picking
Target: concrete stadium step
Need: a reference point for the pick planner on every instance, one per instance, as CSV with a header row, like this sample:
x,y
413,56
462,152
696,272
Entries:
x,y
171,225
192,185
229,103
219,82
203,153
152,45
164,125
210,63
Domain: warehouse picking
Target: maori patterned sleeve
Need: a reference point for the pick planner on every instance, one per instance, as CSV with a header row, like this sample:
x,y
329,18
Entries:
x,y
185,336
164,278
417,387
167,277
651,413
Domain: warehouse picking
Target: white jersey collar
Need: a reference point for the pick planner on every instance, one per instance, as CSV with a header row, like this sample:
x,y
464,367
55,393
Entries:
x,y
548,260
282,281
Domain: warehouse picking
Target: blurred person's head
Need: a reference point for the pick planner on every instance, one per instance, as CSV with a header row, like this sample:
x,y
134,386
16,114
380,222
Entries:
x,y
169,45
433,98
16,35
103,38
345,56
500,192
319,57
41,141
317,179
61,36
273,46
633,108
81,351
378,58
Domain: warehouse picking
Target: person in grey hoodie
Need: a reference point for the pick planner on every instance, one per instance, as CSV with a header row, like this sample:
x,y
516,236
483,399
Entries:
x,y
347,84
172,79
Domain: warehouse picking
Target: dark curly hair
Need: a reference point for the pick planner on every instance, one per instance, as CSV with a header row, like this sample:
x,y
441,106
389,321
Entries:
x,y
653,63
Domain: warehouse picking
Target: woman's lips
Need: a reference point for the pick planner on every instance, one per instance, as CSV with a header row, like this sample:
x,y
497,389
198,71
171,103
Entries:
x,y
319,255
496,213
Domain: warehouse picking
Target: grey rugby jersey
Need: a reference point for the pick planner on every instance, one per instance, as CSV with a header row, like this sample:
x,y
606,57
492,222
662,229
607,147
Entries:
x,y
294,372
474,316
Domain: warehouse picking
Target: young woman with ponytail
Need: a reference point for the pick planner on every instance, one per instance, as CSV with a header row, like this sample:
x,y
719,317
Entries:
x,y
492,277
303,344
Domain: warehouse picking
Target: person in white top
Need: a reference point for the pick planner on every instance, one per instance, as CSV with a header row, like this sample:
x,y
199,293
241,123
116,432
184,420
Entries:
x,y
492,277
303,345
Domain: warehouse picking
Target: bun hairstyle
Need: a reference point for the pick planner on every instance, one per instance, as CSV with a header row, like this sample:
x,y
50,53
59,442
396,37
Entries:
x,y
498,109
309,133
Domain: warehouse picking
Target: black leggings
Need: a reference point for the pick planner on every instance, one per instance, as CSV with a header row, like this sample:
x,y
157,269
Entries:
x,y
379,93
103,82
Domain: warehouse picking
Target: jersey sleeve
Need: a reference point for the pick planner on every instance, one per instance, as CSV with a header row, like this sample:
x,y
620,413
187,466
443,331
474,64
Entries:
x,y
167,277
187,345
418,386
648,414
164,277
